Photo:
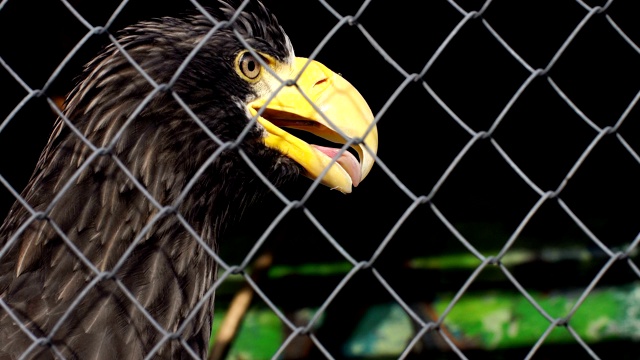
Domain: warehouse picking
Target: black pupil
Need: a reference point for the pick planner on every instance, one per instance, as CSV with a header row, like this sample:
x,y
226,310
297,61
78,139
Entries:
x,y
251,65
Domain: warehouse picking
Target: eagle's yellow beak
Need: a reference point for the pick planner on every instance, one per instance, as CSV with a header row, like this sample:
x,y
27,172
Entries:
x,y
344,115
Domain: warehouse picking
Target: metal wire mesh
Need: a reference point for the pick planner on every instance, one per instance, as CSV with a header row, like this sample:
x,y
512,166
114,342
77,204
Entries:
x,y
412,192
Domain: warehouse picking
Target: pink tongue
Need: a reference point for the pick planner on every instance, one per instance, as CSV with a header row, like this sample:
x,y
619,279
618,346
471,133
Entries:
x,y
348,162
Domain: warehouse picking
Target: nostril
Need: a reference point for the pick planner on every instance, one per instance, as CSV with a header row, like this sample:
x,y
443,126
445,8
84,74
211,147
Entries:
x,y
320,82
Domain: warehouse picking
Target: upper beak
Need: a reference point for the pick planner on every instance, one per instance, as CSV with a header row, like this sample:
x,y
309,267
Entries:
x,y
344,115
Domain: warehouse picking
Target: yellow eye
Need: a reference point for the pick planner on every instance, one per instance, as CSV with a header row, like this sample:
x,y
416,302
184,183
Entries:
x,y
249,66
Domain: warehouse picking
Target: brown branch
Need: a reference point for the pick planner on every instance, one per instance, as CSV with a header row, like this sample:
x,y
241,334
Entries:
x,y
238,309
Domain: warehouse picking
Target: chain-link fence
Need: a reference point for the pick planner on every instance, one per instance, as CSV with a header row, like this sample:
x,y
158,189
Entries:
x,y
500,219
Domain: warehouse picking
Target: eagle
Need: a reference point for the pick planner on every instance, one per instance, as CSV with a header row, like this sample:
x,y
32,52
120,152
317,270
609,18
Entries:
x,y
170,134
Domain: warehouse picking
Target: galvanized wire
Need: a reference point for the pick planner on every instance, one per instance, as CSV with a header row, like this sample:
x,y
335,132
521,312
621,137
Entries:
x,y
416,200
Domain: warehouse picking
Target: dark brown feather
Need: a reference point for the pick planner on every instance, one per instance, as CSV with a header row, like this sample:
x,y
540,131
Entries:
x,y
67,294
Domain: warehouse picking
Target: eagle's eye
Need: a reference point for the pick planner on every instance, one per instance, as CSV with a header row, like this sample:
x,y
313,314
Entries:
x,y
248,66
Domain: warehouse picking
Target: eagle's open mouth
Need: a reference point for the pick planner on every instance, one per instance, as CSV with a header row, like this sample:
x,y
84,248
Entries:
x,y
345,115
346,159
